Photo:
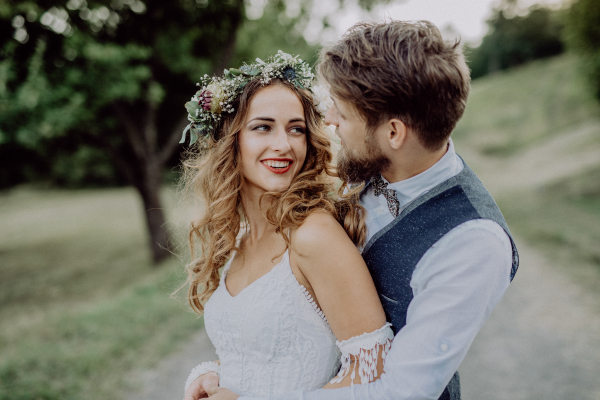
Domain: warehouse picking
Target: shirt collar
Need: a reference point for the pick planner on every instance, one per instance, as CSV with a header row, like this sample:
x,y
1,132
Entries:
x,y
409,189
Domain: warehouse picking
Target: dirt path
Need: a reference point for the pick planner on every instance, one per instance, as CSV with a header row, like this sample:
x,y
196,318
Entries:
x,y
167,379
541,342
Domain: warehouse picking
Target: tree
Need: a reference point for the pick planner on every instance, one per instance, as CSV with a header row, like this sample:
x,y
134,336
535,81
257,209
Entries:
x,y
516,39
111,76
582,34
93,90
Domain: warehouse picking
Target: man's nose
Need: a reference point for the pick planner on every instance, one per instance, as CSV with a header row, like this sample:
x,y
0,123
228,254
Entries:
x,y
330,118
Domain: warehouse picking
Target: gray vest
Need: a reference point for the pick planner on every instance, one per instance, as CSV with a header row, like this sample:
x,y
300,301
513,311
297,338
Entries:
x,y
393,253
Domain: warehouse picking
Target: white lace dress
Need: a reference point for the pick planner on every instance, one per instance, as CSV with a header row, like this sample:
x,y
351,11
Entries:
x,y
272,338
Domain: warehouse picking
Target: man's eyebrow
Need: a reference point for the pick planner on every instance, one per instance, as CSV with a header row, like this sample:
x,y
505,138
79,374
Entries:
x,y
336,105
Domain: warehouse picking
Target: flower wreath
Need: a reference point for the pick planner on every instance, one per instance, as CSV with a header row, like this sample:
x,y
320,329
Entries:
x,y
217,94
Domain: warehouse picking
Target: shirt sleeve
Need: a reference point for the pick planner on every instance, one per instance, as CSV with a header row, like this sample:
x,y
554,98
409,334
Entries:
x,y
456,284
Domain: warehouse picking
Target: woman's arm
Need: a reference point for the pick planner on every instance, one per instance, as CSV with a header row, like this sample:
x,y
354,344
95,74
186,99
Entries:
x,y
207,371
328,264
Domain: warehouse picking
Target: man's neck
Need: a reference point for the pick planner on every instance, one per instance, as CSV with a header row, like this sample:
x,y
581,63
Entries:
x,y
412,163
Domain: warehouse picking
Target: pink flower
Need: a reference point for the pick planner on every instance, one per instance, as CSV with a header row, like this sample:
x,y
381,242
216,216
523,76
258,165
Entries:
x,y
205,100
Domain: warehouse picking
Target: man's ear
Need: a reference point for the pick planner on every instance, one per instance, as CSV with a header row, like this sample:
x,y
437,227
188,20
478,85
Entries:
x,y
397,132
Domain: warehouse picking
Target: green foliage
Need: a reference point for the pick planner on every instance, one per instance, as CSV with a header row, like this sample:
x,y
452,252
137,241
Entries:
x,y
258,38
66,65
515,40
582,34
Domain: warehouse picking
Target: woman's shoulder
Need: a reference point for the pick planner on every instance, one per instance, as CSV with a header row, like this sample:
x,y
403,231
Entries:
x,y
319,231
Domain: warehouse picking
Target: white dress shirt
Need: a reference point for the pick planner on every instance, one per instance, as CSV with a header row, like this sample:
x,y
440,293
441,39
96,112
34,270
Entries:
x,y
456,284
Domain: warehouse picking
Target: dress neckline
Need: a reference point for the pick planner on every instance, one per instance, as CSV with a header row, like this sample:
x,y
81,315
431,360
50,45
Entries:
x,y
226,270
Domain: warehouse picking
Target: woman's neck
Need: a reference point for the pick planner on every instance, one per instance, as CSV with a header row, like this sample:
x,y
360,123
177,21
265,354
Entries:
x,y
257,223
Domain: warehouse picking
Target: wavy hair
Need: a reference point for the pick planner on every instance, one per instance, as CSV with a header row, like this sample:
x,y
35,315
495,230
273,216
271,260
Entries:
x,y
212,174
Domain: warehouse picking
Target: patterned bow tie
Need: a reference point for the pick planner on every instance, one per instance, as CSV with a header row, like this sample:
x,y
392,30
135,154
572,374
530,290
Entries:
x,y
380,187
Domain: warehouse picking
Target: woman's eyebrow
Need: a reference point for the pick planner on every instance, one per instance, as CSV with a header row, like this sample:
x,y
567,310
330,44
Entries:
x,y
297,120
262,119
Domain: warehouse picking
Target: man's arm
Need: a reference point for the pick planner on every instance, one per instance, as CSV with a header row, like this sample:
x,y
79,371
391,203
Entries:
x,y
456,285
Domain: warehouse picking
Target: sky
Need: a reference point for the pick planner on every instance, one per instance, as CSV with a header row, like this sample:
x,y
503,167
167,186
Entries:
x,y
466,17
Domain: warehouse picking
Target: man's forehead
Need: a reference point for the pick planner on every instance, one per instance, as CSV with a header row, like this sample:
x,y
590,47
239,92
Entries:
x,y
342,105
346,107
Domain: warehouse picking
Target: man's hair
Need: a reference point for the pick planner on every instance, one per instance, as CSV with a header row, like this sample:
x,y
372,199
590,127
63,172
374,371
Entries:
x,y
403,70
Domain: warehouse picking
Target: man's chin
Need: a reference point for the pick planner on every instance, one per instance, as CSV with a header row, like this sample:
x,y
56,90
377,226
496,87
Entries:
x,y
354,174
359,171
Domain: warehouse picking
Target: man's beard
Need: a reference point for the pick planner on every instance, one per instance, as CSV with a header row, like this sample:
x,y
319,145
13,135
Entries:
x,y
360,166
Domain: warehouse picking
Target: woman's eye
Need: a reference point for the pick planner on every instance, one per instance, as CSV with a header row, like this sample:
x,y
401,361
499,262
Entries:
x,y
298,129
262,128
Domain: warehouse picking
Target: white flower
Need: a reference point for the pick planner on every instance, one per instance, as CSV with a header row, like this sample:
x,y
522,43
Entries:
x,y
285,56
218,95
322,99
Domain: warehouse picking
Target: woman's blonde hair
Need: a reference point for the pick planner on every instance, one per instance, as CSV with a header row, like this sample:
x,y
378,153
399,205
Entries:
x,y
212,173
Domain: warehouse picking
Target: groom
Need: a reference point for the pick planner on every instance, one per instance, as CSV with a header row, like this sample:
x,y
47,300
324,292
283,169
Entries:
x,y
439,250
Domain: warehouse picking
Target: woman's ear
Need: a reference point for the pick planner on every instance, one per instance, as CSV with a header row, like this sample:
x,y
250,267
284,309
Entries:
x,y
397,132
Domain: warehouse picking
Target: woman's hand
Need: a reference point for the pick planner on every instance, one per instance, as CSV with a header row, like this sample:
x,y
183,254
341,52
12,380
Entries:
x,y
197,389
218,393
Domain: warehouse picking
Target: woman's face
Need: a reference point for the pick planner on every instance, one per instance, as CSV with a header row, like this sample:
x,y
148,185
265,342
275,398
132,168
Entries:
x,y
272,140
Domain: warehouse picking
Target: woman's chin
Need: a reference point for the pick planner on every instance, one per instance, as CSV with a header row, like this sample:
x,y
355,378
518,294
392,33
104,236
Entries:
x,y
280,185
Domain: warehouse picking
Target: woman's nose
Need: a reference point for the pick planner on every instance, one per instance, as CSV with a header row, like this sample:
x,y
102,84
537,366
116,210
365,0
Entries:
x,y
281,141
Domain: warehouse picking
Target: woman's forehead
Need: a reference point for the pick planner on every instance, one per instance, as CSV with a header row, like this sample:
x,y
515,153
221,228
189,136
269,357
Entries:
x,y
276,100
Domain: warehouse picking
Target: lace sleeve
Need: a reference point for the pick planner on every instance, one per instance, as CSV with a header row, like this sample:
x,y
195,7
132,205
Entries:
x,y
364,350
209,366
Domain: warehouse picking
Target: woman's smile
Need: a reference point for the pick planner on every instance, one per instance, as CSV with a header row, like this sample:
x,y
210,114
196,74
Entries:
x,y
278,165
272,141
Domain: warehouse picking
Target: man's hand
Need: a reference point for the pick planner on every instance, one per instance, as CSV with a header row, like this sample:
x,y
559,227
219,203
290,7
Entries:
x,y
218,393
196,390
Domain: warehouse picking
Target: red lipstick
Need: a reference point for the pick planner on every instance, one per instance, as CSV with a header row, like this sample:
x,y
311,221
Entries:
x,y
278,170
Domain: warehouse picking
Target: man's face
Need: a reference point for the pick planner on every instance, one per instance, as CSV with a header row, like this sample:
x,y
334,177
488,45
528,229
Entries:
x,y
360,156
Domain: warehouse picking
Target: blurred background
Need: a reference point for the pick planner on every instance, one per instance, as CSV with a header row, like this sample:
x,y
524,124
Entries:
x,y
92,236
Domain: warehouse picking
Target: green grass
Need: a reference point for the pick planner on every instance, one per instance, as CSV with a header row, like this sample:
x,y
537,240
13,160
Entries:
x,y
80,302
519,108
564,214
513,112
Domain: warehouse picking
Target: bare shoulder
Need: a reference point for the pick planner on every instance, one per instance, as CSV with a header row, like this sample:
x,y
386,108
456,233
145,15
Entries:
x,y
319,231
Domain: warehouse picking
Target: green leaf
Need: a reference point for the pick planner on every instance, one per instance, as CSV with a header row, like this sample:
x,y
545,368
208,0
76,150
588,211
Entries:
x,y
243,84
193,136
191,107
187,128
235,71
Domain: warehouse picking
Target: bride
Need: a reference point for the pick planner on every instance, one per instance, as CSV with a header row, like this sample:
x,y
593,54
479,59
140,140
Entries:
x,y
294,306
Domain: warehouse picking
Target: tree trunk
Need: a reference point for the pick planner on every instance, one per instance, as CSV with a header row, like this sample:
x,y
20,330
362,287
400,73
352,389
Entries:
x,y
149,190
144,172
144,169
